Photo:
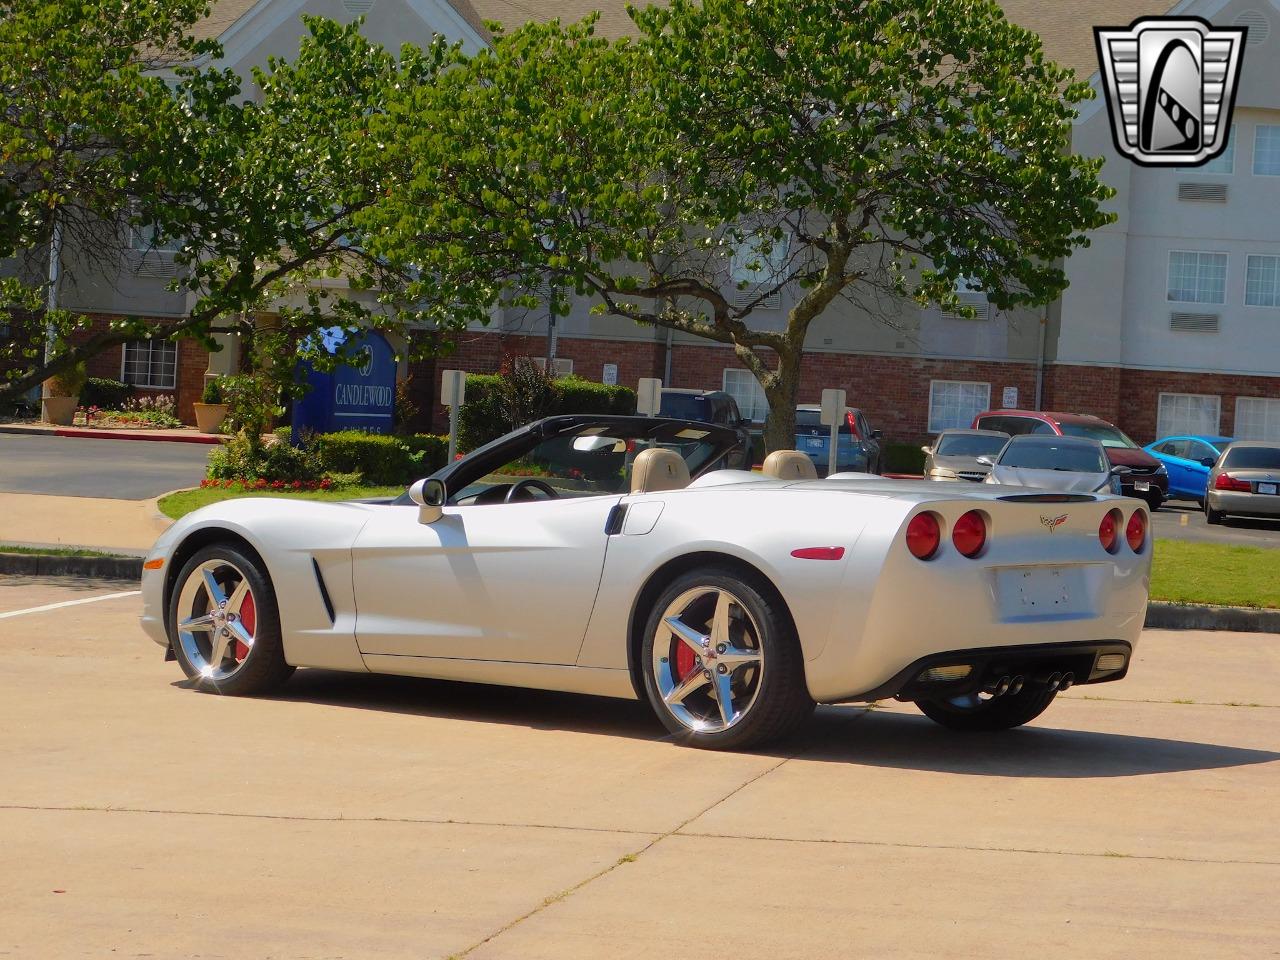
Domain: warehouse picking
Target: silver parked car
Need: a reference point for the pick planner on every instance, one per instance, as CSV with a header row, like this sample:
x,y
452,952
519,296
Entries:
x,y
1245,481
1065,464
954,455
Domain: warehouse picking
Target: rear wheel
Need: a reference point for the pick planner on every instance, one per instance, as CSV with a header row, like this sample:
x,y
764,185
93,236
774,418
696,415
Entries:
x,y
224,624
979,712
1211,516
722,664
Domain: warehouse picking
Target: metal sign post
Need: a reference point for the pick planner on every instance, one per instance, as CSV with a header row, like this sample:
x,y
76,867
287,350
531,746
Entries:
x,y
649,397
833,404
453,388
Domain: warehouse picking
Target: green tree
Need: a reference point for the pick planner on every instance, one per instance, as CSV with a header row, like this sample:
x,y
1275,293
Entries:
x,y
257,187
840,149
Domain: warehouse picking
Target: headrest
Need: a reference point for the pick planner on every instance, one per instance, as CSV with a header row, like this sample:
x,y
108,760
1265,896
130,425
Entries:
x,y
789,465
658,469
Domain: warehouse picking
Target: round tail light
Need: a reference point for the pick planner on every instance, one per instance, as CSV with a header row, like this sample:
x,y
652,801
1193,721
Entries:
x,y
1136,531
924,534
970,533
1109,530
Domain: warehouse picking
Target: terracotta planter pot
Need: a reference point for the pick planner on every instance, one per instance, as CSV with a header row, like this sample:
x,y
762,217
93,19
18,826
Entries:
x,y
60,410
209,416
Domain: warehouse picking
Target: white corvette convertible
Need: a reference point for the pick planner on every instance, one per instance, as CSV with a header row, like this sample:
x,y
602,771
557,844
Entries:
x,y
606,555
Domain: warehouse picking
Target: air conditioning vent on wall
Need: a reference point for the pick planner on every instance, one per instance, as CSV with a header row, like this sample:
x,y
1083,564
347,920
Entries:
x,y
740,298
154,264
1193,322
978,301
1203,192
1258,24
357,7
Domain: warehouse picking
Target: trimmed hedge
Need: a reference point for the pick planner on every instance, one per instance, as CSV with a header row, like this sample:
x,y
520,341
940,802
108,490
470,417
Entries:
x,y
105,394
380,459
484,415
903,458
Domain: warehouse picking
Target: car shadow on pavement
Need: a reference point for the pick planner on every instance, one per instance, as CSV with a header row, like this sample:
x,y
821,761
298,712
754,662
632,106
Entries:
x,y
854,735
902,741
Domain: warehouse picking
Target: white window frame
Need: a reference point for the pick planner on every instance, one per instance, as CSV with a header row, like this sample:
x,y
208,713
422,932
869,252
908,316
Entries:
x,y
149,385
934,427
1173,399
753,399
766,275
1275,172
1270,419
1226,271
1275,270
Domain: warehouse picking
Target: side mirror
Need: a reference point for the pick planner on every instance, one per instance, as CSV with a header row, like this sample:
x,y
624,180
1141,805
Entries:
x,y
927,451
877,434
430,496
986,461
1208,461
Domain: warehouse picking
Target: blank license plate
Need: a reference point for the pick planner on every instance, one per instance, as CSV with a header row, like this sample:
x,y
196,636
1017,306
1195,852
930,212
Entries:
x,y
1142,486
1267,488
1040,593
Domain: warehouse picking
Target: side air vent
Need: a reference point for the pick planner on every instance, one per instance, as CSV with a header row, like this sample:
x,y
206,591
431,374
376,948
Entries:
x,y
1193,322
1258,24
1203,192
324,590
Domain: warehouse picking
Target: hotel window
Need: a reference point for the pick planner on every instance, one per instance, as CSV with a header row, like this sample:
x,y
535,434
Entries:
x,y
954,403
151,363
1266,150
1197,277
1262,282
147,239
1257,418
743,386
1188,413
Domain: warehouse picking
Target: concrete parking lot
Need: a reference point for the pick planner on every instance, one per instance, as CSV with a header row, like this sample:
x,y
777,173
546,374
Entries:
x,y
1183,520
360,816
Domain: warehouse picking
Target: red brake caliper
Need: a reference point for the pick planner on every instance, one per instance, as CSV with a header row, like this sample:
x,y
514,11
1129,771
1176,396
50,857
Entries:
x,y
685,660
248,617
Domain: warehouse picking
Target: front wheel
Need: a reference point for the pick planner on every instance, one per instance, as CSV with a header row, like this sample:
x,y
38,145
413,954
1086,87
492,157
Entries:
x,y
722,664
224,624
977,712
1154,501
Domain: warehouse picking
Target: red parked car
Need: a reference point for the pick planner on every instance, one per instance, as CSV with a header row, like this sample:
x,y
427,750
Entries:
x,y
1147,478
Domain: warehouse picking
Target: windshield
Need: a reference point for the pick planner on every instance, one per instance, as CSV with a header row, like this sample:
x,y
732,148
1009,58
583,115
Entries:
x,y
1252,458
809,422
1075,457
969,445
1104,433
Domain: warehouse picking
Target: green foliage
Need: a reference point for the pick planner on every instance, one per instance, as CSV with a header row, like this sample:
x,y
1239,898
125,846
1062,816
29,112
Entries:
x,y
238,459
69,382
105,394
378,458
405,409
434,451
903,458
212,392
499,403
873,150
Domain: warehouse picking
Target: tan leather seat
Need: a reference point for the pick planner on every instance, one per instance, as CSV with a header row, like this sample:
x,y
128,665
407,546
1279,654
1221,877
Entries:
x,y
657,469
789,465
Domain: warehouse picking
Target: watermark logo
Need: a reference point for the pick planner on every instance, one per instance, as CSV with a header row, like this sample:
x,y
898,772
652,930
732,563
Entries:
x,y
1170,87
1053,523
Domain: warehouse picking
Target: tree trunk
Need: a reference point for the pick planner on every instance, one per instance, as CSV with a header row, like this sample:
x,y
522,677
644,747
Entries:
x,y
780,428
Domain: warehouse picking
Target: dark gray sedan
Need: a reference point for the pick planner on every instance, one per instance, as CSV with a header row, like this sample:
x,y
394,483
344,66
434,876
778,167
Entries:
x,y
954,455
1245,482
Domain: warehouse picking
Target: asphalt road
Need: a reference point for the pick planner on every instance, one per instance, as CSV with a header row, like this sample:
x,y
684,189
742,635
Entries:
x,y
110,469
364,816
1183,520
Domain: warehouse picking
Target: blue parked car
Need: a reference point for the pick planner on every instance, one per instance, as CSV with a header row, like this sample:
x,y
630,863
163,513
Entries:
x,y
858,448
1188,460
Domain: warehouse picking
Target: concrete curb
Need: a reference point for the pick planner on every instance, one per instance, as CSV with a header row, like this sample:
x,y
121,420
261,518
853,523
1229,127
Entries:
x,y
47,565
1184,616
91,434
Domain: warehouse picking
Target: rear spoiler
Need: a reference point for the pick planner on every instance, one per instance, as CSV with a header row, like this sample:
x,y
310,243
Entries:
x,y
1049,498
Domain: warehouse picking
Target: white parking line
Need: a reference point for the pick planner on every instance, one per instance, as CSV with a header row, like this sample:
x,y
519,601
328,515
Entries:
x,y
69,603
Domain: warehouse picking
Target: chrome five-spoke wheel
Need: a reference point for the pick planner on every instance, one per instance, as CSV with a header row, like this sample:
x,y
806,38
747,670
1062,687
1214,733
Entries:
x,y
224,625
708,662
722,664
217,619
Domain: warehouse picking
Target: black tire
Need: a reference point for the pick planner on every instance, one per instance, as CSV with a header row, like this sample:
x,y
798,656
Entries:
x,y
1154,502
782,701
263,668
1213,517
999,713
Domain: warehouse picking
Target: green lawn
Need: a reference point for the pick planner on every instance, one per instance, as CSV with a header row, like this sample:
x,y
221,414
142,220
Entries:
x,y
59,551
1186,572
184,501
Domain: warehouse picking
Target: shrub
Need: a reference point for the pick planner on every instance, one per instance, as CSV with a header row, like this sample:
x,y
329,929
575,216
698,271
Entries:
x,y
903,458
378,458
434,450
68,383
105,394
212,392
577,395
239,460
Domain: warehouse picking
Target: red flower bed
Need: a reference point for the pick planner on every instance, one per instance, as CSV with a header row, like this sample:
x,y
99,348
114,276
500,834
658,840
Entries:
x,y
260,484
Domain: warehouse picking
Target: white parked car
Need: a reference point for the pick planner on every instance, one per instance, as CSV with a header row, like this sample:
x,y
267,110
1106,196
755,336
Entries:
x,y
599,555
1047,462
